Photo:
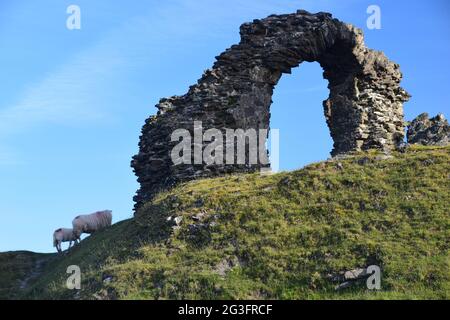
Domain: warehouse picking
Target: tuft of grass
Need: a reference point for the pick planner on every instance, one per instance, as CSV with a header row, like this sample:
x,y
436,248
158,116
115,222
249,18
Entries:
x,y
277,236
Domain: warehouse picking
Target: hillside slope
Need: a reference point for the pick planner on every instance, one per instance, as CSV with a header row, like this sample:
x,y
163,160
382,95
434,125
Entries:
x,y
281,236
18,270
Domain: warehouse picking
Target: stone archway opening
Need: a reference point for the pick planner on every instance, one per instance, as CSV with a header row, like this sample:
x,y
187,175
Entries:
x,y
297,111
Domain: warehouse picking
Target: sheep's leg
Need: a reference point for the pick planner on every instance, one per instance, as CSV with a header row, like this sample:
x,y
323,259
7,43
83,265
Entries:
x,y
77,237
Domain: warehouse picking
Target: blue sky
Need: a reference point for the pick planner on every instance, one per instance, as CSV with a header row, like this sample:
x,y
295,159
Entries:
x,y
72,102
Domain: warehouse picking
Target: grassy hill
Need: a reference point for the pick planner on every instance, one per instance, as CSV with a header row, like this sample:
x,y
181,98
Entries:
x,y
280,236
18,269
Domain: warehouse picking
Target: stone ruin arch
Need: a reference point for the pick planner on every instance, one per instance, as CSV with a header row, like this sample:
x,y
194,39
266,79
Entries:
x,y
364,109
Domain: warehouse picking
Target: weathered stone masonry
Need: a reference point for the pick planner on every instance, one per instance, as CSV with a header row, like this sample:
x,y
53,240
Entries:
x,y
364,109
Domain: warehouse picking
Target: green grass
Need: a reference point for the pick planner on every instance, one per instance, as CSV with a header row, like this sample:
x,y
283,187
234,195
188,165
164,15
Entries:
x,y
16,267
277,236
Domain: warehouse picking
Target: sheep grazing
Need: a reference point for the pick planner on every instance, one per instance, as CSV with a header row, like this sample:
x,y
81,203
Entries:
x,y
63,235
90,223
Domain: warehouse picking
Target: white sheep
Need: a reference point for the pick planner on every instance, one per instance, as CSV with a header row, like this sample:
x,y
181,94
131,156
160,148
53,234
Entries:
x,y
90,223
63,235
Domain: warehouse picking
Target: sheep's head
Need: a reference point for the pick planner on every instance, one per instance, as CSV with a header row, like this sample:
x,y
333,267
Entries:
x,y
76,233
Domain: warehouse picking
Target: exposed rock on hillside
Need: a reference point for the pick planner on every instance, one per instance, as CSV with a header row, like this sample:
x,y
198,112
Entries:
x,y
426,131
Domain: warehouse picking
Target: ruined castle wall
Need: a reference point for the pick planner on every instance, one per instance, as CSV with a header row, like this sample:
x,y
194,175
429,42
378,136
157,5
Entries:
x,y
364,109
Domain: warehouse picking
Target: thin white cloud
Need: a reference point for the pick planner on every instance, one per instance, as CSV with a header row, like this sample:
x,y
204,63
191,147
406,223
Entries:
x,y
66,95
77,92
